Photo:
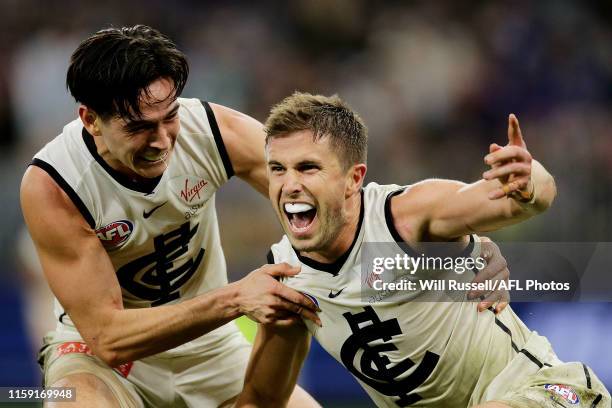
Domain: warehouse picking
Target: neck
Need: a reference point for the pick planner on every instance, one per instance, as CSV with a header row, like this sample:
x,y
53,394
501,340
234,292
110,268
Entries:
x,y
345,237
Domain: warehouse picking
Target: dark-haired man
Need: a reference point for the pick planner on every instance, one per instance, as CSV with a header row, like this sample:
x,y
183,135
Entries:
x,y
408,347
121,208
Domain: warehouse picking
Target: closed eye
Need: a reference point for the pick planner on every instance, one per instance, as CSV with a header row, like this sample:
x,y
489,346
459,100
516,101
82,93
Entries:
x,y
171,117
308,168
140,128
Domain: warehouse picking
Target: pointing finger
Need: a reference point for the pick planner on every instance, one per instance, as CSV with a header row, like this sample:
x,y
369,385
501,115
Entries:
x,y
515,137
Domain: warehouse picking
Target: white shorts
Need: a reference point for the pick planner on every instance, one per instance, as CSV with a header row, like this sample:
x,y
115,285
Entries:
x,y
536,378
206,376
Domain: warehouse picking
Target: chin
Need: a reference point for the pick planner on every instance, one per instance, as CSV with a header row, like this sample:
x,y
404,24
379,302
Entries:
x,y
151,171
303,245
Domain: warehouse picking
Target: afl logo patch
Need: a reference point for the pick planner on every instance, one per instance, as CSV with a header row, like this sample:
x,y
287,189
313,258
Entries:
x,y
567,393
115,234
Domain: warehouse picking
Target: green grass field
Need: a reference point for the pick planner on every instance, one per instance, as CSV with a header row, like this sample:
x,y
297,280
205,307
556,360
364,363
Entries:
x,y
247,327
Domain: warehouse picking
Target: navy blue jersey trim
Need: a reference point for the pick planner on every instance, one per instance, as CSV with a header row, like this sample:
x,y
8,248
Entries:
x,y
400,241
596,401
63,184
142,186
533,359
229,170
587,375
527,354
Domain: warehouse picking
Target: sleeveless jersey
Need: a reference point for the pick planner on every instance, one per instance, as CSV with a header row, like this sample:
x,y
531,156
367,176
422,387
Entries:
x,y
162,236
404,352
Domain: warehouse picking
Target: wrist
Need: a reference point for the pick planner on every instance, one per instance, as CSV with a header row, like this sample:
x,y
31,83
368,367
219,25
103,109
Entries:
x,y
527,196
230,300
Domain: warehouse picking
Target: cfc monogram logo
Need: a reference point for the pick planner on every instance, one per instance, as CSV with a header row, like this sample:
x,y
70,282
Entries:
x,y
375,368
153,277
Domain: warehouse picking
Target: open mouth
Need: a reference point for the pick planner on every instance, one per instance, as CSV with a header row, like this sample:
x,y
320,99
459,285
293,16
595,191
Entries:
x,y
300,216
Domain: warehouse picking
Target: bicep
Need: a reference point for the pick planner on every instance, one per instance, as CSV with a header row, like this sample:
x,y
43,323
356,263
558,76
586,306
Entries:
x,y
244,139
446,209
75,264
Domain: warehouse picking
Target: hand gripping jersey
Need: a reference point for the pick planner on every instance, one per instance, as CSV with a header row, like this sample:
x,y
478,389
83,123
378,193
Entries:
x,y
161,236
409,352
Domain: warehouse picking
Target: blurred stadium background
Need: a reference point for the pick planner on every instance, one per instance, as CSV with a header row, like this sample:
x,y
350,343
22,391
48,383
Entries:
x,y
434,81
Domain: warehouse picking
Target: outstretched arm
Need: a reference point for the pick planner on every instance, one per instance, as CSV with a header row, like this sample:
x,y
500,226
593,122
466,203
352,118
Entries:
x,y
514,189
276,360
83,279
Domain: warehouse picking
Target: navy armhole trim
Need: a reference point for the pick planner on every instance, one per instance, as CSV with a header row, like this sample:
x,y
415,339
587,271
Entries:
x,y
229,170
67,189
400,241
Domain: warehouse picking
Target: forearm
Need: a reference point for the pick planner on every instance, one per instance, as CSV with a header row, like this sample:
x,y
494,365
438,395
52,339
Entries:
x,y
277,357
544,189
458,209
511,210
131,334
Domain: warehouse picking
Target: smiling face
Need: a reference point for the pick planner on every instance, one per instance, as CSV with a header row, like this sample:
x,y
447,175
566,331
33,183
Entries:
x,y
142,147
311,191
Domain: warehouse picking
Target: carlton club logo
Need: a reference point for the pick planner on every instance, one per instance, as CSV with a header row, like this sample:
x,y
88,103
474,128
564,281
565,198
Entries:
x,y
115,234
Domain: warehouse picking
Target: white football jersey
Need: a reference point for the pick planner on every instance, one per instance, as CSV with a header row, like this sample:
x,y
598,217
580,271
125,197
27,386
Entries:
x,y
407,351
162,236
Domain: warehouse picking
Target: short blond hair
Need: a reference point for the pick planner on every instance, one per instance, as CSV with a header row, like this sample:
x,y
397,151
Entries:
x,y
326,116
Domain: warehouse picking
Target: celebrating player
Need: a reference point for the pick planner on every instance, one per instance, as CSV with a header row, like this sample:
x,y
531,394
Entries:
x,y
409,352
121,208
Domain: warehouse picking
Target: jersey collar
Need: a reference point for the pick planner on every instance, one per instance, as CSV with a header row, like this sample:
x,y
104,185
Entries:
x,y
142,186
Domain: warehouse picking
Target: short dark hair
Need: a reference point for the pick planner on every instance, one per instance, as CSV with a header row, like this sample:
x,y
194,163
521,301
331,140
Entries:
x,y
326,116
109,70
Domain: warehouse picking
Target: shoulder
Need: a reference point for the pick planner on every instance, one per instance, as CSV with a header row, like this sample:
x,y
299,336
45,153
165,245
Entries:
x,y
46,205
282,251
229,122
40,189
410,209
235,126
423,194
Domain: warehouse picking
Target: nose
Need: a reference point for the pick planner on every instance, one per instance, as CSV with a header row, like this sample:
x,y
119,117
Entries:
x,y
160,139
292,184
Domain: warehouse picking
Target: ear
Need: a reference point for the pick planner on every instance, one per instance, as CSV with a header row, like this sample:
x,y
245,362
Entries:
x,y
91,120
355,176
